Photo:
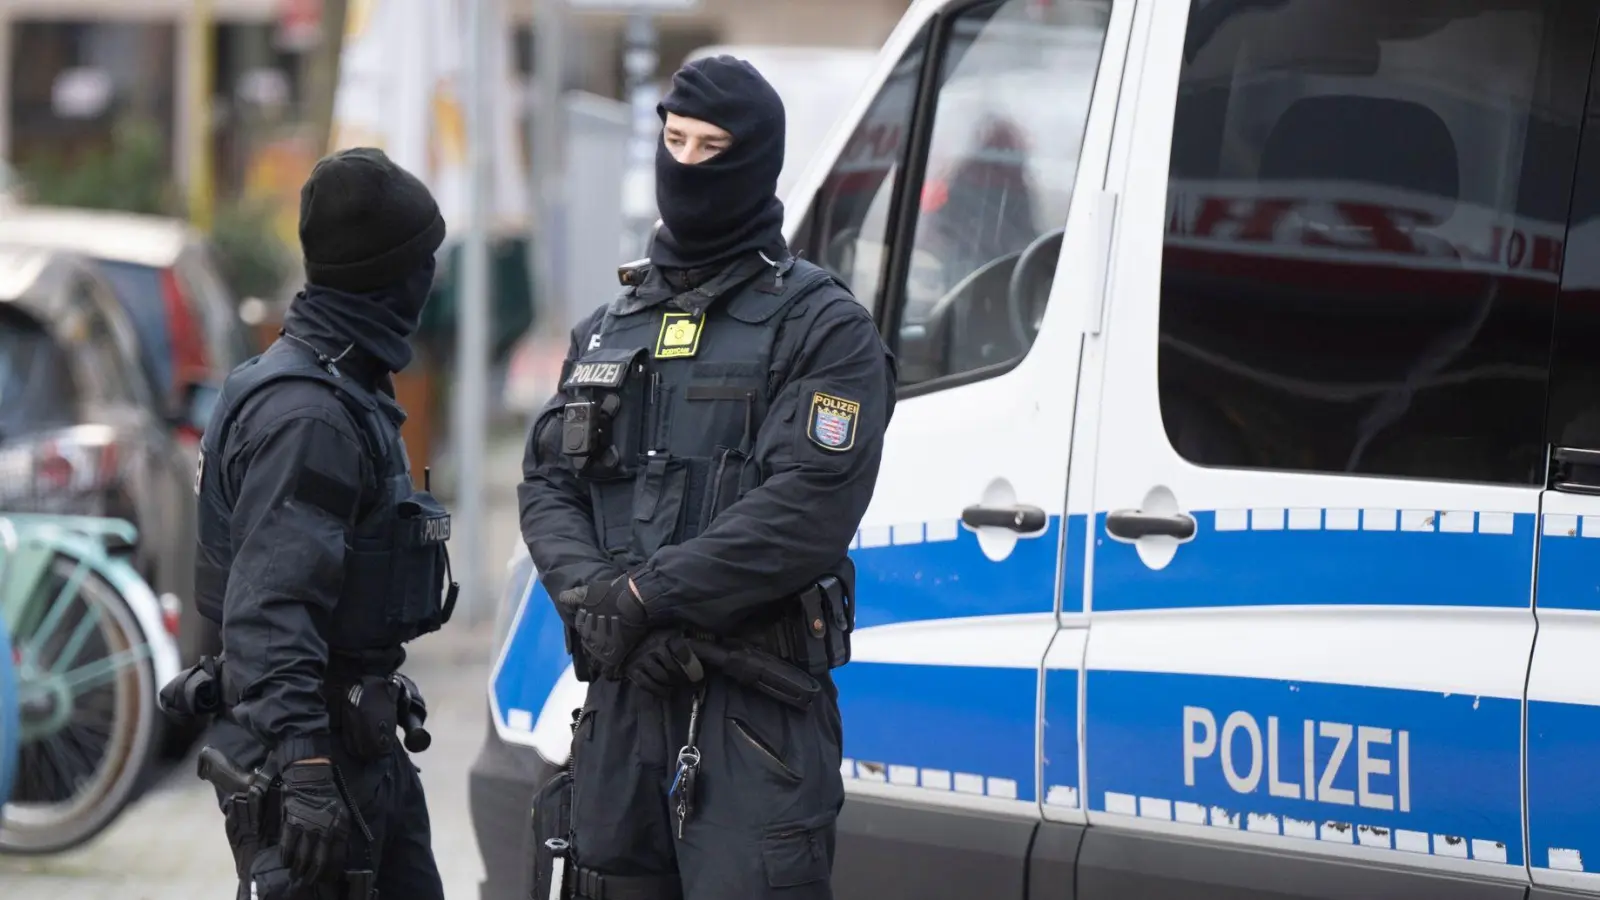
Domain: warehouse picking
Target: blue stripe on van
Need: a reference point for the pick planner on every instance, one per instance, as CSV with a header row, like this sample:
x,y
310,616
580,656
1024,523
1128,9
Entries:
x,y
1563,786
1442,772
934,572
1321,567
964,728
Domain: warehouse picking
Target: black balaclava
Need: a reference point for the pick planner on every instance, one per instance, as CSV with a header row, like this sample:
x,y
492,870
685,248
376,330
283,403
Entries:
x,y
371,329
725,206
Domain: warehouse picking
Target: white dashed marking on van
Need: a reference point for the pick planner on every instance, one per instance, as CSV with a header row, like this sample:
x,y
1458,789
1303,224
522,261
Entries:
x,y
1566,860
1061,795
1371,836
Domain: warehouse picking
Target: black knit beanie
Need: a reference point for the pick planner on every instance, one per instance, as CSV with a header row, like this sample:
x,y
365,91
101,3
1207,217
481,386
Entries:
x,y
366,223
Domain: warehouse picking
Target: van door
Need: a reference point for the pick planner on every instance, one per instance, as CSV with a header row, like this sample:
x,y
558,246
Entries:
x,y
1320,445
1564,684
946,211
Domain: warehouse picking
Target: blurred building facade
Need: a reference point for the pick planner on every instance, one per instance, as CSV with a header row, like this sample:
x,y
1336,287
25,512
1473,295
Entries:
x,y
71,69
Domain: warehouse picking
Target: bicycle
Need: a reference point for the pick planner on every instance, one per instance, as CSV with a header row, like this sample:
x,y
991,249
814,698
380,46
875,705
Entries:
x,y
8,716
89,652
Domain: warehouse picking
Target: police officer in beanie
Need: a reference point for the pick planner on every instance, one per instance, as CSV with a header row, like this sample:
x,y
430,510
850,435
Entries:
x,y
689,498
319,559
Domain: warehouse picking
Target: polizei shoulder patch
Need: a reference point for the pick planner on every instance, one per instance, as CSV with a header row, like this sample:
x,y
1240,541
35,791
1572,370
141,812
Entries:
x,y
833,422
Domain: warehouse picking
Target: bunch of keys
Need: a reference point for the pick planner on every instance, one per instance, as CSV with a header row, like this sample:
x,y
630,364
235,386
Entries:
x,y
681,793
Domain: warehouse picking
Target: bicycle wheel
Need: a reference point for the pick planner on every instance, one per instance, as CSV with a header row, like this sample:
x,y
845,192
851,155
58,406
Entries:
x,y
87,702
8,714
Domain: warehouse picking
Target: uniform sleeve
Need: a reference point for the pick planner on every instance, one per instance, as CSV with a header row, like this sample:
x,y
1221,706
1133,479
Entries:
x,y
299,490
820,445
557,518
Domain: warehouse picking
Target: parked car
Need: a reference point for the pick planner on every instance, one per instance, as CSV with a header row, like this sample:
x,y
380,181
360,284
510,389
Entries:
x,y
190,333
80,432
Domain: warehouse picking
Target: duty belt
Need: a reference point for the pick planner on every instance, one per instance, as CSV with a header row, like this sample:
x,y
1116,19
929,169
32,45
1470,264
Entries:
x,y
591,885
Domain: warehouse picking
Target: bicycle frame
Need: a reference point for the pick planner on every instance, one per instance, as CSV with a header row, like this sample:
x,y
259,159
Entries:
x,y
39,538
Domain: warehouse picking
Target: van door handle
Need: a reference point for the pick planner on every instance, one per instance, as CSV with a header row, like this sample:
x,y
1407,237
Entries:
x,y
1024,519
1131,524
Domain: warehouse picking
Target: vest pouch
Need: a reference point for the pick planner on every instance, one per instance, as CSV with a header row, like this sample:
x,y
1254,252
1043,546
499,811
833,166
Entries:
x,y
422,526
658,505
733,474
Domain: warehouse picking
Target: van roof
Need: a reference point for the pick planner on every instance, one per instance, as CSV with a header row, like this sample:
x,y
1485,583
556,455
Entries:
x,y
116,236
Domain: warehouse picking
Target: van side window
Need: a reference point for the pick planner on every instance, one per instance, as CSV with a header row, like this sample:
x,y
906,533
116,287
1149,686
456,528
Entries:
x,y
1013,101
847,227
1366,216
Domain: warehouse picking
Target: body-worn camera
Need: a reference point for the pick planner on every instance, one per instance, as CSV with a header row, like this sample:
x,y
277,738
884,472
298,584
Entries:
x,y
586,431
598,384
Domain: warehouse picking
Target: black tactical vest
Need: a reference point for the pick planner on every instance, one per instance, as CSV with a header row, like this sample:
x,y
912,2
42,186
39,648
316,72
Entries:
x,y
395,562
668,397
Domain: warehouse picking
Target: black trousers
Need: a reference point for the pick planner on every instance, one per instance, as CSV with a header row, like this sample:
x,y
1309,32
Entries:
x,y
768,790
389,795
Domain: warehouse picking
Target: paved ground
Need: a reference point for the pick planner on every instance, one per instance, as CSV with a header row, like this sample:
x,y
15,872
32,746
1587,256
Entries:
x,y
169,845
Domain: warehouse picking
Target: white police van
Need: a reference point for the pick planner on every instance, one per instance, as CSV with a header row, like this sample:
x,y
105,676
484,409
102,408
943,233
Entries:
x,y
1235,535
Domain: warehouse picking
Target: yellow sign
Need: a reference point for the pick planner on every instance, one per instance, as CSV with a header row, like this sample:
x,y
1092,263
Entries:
x,y
680,336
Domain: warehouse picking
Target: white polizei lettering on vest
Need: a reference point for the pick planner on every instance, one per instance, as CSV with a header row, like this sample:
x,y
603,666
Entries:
x,y
1246,783
1275,786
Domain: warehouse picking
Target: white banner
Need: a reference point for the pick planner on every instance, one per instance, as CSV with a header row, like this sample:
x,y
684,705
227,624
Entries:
x,y
401,73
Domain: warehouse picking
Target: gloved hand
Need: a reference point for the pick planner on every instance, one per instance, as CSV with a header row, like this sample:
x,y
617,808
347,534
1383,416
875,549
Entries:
x,y
316,823
662,661
609,620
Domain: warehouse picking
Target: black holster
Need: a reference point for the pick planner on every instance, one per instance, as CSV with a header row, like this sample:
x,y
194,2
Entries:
x,y
552,837
813,633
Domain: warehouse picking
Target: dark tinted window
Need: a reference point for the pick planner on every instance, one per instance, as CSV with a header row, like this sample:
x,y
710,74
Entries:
x,y
139,289
37,387
1365,228
1575,382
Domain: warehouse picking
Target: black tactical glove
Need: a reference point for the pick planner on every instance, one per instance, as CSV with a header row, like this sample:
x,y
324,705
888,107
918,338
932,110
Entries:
x,y
316,823
609,620
661,662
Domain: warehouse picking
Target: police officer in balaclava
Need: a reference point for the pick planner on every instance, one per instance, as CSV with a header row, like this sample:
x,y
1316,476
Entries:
x,y
319,559
689,499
